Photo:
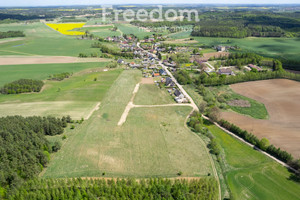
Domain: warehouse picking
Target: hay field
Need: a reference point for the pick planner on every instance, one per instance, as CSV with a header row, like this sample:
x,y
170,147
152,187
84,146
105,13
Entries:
x,y
153,142
77,96
282,100
150,94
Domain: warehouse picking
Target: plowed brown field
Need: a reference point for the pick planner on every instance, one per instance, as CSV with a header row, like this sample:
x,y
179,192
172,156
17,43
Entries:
x,y
282,100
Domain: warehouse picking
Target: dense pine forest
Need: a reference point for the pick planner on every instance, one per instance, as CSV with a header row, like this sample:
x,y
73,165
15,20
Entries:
x,y
201,189
22,86
24,149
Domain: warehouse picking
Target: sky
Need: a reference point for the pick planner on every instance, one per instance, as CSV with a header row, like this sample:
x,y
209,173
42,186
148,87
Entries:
x,y
20,3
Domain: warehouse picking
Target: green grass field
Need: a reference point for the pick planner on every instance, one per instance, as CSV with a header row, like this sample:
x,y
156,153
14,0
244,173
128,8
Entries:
x,y
152,142
9,73
150,94
252,175
76,96
42,40
286,48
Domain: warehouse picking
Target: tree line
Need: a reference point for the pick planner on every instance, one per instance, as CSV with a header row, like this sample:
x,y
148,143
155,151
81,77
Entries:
x,y
107,50
24,149
195,122
22,86
10,34
151,189
261,144
183,77
247,76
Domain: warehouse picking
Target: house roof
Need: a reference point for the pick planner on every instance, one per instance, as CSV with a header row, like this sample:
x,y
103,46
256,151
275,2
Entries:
x,y
177,92
225,71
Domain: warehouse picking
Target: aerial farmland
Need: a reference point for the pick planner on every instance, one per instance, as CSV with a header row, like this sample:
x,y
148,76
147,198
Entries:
x,y
93,106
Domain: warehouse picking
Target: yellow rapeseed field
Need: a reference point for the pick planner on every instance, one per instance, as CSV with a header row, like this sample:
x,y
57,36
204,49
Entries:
x,y
67,28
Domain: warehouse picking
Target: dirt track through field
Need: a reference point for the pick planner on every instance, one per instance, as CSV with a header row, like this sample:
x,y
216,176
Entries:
x,y
23,60
10,40
282,100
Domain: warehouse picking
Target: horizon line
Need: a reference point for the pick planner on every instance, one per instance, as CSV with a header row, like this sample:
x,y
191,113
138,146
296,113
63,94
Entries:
x,y
211,4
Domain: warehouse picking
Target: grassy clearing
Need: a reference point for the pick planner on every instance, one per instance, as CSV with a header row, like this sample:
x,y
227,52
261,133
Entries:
x,y
256,110
76,96
11,73
250,174
152,142
104,31
150,94
286,48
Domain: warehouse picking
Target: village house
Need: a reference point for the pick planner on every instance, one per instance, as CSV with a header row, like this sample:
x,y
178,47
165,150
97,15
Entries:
x,y
251,66
221,48
162,72
226,71
169,82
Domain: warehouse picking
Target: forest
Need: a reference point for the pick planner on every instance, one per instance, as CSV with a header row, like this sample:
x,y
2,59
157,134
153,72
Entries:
x,y
10,34
238,24
22,86
24,149
153,188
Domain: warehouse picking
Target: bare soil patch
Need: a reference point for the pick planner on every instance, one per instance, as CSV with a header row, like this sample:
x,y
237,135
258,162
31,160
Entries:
x,y
23,60
282,100
147,80
215,54
239,103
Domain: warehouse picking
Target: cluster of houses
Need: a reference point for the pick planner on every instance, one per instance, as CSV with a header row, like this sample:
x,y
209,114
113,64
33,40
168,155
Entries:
x,y
228,70
170,85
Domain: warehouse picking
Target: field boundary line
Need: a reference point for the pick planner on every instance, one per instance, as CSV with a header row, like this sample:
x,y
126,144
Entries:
x,y
129,105
251,145
93,110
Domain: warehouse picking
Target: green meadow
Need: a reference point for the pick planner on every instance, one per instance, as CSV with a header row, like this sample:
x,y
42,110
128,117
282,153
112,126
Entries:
x,y
42,40
153,142
76,96
252,175
151,94
9,73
